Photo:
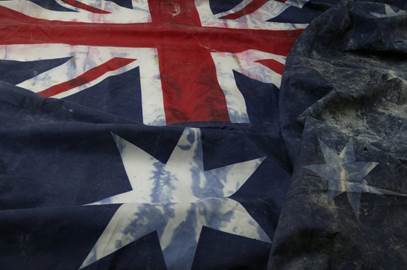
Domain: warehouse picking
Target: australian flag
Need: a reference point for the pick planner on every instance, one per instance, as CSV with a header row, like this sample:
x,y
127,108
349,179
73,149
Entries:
x,y
147,134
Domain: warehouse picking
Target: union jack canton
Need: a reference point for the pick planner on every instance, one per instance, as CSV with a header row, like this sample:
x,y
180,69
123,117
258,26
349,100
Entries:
x,y
183,54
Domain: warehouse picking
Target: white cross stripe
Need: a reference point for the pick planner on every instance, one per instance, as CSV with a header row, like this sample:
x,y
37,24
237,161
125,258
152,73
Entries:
x,y
116,14
256,20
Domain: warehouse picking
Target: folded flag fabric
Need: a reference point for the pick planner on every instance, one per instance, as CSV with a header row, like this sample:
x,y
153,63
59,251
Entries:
x,y
142,134
146,134
152,62
85,191
343,113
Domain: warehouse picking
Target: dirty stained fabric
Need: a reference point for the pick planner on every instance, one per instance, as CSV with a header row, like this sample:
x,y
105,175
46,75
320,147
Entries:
x,y
343,109
149,134
143,134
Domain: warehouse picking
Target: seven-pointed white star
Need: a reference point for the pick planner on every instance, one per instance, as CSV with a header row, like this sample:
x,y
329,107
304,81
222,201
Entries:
x,y
345,174
176,200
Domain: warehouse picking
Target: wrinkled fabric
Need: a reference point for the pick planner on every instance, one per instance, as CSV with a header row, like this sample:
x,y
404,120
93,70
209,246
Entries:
x,y
343,106
143,134
98,171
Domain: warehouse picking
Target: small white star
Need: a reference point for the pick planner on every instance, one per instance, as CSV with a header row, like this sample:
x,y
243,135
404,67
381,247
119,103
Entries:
x,y
389,11
345,174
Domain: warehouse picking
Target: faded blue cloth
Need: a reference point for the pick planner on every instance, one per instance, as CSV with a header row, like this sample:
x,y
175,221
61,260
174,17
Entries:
x,y
343,111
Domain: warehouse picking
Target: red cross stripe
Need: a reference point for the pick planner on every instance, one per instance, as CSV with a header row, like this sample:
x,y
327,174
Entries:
x,y
191,91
